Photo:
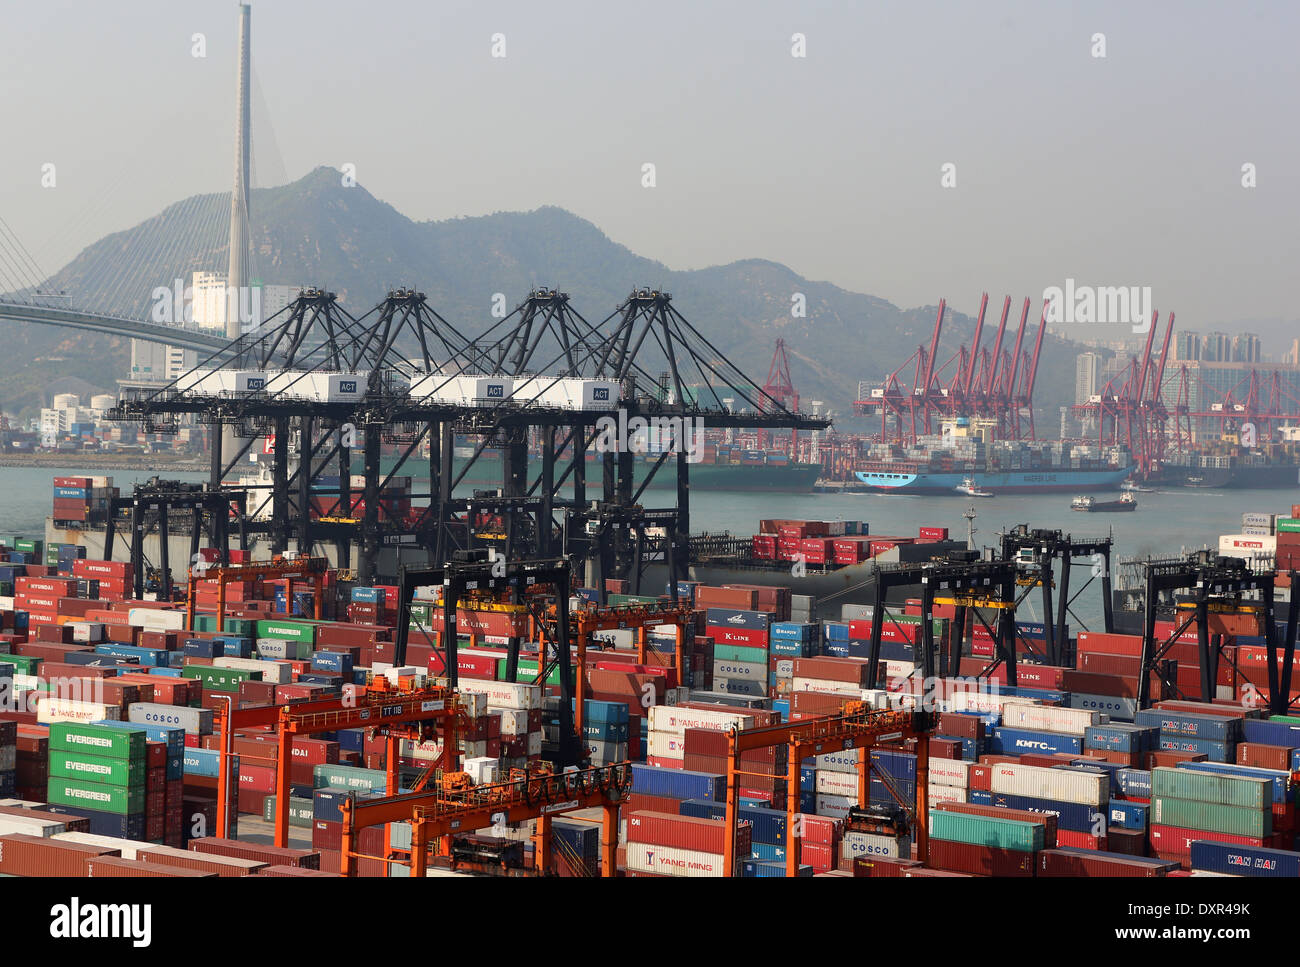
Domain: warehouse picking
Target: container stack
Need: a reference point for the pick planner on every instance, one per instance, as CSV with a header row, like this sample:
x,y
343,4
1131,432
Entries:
x,y
985,845
1189,804
101,772
1213,733
669,844
8,746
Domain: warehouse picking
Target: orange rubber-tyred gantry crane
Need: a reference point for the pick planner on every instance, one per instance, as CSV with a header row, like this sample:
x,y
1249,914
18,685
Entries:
x,y
437,814
400,713
309,568
586,621
857,727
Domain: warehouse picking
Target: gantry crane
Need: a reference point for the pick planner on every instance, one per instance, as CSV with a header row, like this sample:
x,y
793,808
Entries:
x,y
856,727
456,806
409,712
640,617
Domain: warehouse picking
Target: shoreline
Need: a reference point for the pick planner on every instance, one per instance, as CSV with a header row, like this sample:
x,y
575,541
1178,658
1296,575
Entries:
x,y
102,461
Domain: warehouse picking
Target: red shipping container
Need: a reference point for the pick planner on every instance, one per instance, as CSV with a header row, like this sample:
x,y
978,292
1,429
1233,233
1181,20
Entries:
x,y
1079,840
685,832
1264,756
1173,841
979,860
851,670
1057,863
116,866
22,855
282,856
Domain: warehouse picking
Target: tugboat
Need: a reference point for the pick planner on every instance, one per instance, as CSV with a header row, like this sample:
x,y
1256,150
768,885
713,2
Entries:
x,y
967,487
1091,505
1136,488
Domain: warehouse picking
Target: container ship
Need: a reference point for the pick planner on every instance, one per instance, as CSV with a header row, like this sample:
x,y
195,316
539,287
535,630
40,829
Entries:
x,y
940,465
1229,468
720,468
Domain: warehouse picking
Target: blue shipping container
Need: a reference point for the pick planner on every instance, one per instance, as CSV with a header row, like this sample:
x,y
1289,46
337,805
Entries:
x,y
1069,815
1007,741
1191,725
1216,857
677,783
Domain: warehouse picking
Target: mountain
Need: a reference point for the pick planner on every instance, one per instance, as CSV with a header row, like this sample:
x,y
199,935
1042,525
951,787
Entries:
x,y
317,231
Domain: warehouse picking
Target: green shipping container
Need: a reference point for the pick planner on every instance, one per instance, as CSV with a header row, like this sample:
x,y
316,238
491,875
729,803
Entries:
x,y
616,599
1212,817
205,622
1289,525
95,795
23,664
99,769
987,831
96,740
300,811
288,630
348,777
739,653
220,679
29,546
527,672
1211,787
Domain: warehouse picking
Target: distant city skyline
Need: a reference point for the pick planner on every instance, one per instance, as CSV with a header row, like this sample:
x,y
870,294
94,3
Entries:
x,y
816,138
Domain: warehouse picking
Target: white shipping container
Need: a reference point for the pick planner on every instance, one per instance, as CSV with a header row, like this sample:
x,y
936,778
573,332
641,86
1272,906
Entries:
x,y
128,847
281,673
750,671
836,807
825,686
282,649
856,844
6,602
195,721
643,858
30,826
534,743
669,744
949,772
514,721
156,619
785,668
50,709
1048,718
938,794
475,703
504,694
846,761
482,770
87,632
1246,545
1063,785
474,749
674,718
980,701
838,784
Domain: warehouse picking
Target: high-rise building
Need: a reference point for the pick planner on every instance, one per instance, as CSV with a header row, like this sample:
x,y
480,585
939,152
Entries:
x,y
1086,368
1217,348
1293,355
213,301
1187,346
1246,348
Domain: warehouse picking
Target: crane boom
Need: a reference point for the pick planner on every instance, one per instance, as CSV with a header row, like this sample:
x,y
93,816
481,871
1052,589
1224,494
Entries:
x,y
975,344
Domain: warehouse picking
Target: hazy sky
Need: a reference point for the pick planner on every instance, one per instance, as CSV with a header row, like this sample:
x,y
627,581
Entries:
x,y
1122,170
